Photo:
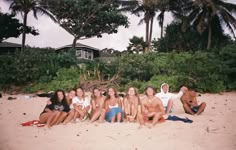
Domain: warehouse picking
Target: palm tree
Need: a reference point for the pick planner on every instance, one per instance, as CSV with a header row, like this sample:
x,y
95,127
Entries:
x,y
204,14
24,7
149,8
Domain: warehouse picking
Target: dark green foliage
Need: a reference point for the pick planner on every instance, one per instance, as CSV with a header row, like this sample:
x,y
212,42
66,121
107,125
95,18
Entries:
x,y
87,18
199,71
65,79
189,40
46,70
136,45
33,64
228,57
10,27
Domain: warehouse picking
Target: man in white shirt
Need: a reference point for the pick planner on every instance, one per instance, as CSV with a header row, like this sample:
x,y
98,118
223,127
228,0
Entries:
x,y
167,97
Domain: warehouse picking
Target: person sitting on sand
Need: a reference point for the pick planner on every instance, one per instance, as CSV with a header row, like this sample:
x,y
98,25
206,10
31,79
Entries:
x,y
152,110
131,103
69,97
81,105
113,106
167,98
190,103
58,108
97,103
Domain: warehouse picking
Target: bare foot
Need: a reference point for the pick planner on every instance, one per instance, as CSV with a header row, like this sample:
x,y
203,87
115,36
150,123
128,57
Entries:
x,y
101,121
149,125
73,121
140,127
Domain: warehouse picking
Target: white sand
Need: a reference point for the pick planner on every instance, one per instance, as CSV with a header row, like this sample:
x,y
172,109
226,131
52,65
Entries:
x,y
213,130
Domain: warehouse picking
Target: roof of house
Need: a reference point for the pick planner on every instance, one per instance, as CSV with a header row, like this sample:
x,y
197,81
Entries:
x,y
9,44
78,45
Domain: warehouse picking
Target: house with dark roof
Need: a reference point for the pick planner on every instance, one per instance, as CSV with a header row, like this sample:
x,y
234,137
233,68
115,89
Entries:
x,y
8,48
82,51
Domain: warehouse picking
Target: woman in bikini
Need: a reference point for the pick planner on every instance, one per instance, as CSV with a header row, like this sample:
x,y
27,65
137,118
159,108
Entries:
x,y
56,108
113,106
81,105
131,103
97,103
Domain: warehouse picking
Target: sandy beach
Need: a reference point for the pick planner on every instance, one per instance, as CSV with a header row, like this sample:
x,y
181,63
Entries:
x,y
212,130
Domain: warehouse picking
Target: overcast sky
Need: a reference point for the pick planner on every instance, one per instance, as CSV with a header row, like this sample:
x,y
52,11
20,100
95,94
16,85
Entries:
x,y
52,35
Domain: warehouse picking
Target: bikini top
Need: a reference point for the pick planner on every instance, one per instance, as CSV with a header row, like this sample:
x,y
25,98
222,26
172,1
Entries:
x,y
114,106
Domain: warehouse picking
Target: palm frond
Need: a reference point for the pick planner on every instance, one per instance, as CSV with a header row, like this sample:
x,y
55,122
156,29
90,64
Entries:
x,y
229,6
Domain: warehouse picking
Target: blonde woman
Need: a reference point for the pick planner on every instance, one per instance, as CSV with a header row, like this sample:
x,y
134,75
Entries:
x,y
131,103
113,106
97,103
81,105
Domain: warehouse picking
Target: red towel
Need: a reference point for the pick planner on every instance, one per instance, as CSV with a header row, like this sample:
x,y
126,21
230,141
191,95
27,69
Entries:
x,y
35,123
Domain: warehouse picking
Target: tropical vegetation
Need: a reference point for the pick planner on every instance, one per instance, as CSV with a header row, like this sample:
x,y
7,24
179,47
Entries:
x,y
193,50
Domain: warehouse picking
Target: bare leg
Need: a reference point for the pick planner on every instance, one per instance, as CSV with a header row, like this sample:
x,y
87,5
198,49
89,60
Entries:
x,y
169,106
61,117
50,118
140,120
102,116
156,118
95,116
56,117
44,117
188,110
81,116
113,119
76,115
119,117
201,108
69,117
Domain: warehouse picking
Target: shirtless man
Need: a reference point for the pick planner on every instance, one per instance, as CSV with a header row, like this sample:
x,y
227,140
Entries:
x,y
190,104
152,110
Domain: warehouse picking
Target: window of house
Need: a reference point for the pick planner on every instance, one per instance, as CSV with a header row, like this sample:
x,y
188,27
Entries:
x,y
78,53
84,53
88,54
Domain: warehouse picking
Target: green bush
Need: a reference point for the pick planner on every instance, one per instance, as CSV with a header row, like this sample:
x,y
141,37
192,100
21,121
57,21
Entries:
x,y
66,79
227,56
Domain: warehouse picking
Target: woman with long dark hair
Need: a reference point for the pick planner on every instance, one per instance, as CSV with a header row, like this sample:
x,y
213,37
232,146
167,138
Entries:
x,y
56,108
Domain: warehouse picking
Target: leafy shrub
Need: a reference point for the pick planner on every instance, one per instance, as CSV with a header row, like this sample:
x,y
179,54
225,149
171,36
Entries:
x,y
228,57
66,79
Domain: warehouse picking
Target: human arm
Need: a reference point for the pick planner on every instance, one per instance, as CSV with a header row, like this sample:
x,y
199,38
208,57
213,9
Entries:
x,y
106,105
135,110
161,108
119,103
93,105
125,102
144,111
181,92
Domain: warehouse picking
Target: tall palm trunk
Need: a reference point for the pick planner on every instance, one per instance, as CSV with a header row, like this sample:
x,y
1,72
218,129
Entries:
x,y
209,36
150,34
162,25
24,30
147,37
74,42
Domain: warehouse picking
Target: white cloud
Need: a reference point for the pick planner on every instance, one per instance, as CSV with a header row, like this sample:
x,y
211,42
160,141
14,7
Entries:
x,y
52,35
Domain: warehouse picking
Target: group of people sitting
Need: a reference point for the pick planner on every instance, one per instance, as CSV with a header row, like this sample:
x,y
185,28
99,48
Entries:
x,y
147,110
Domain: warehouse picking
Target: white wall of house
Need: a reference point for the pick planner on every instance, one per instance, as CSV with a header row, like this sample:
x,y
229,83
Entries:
x,y
84,53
